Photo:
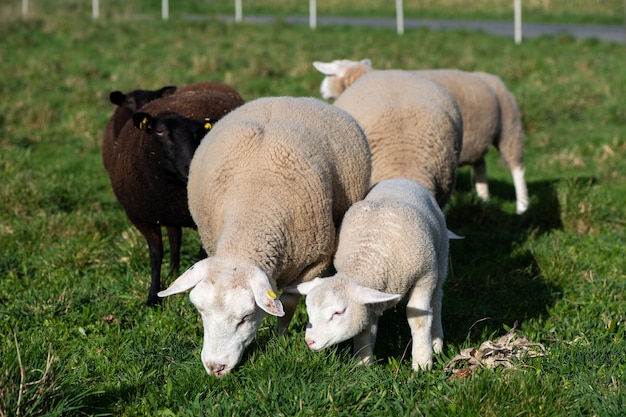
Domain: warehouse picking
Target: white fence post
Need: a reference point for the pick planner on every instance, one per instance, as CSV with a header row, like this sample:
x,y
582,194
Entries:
x,y
25,7
165,9
313,14
400,17
517,6
95,9
238,11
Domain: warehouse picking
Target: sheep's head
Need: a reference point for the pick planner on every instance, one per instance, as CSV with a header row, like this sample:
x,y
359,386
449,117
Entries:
x,y
340,74
136,99
337,309
232,297
177,137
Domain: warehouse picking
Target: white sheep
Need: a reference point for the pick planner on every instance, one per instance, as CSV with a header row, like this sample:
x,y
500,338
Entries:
x,y
413,125
393,243
268,188
490,117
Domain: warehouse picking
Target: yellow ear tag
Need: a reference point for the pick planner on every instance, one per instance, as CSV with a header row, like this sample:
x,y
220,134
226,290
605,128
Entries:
x,y
271,294
207,125
143,123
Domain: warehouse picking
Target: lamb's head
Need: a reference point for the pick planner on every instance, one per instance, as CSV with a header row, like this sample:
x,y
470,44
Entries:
x,y
232,298
178,138
337,309
340,74
136,99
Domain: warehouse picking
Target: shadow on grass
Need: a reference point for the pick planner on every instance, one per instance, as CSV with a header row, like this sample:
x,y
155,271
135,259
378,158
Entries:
x,y
493,278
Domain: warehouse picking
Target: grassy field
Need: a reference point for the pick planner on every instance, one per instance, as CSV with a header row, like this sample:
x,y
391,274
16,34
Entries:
x,y
571,11
76,338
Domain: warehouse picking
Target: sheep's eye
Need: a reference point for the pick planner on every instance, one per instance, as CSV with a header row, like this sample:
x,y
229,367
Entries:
x,y
160,132
337,314
245,319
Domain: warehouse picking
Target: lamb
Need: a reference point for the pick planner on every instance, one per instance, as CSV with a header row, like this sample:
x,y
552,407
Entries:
x,y
148,168
413,125
490,117
393,243
129,103
268,187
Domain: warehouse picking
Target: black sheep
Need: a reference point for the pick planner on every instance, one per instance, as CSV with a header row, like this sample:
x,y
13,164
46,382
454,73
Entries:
x,y
129,103
149,166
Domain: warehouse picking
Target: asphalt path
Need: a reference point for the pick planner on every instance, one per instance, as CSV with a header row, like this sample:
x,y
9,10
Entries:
x,y
614,33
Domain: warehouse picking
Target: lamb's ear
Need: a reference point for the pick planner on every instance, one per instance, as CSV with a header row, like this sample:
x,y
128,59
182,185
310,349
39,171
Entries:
x,y
188,279
304,287
366,62
365,295
452,235
143,121
326,68
264,294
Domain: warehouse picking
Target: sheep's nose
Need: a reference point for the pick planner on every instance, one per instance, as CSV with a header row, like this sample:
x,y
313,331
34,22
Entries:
x,y
309,342
216,370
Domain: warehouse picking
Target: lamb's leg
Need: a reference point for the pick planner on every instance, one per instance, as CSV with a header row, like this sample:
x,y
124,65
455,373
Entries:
x,y
152,233
420,318
480,179
290,303
175,237
437,326
363,343
521,191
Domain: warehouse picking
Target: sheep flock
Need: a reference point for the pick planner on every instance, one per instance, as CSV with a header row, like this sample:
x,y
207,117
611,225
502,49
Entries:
x,y
342,202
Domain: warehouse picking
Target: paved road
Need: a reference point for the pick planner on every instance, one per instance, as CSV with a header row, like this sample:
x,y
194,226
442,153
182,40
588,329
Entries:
x,y
529,30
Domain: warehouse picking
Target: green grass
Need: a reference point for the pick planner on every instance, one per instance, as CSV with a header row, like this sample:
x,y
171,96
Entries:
x,y
76,338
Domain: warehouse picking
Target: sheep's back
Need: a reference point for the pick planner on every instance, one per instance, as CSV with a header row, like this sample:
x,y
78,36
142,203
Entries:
x,y
276,170
413,126
198,105
479,106
209,86
392,237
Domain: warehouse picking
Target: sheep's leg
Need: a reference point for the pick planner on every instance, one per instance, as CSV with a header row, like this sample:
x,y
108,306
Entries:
x,y
420,318
152,233
521,191
363,343
480,179
290,303
175,237
437,326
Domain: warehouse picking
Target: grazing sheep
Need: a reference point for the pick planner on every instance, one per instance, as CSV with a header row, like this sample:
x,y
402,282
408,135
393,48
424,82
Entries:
x,y
129,103
268,188
149,168
392,243
490,117
413,125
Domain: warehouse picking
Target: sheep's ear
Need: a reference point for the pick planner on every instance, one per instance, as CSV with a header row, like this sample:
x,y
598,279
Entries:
x,y
117,97
367,62
143,121
326,68
166,91
452,235
264,294
365,295
188,279
303,288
